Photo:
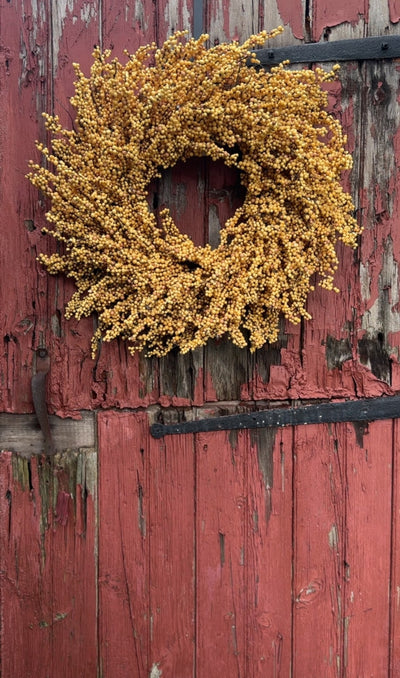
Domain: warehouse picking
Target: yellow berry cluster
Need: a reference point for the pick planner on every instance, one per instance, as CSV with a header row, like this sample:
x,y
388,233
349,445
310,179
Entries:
x,y
148,282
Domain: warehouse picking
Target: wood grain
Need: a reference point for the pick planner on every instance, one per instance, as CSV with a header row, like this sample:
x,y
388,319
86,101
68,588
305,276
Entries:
x,y
21,433
269,554
319,524
394,648
172,574
123,561
249,555
48,532
368,550
23,287
221,534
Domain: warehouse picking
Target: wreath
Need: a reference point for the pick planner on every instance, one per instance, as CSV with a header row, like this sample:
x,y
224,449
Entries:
x,y
146,281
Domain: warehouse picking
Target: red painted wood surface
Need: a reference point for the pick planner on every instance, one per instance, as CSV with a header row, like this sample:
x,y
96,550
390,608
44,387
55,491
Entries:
x,y
268,553
48,566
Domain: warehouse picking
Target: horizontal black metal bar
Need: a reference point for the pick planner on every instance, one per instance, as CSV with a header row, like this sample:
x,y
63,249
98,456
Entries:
x,y
361,49
387,407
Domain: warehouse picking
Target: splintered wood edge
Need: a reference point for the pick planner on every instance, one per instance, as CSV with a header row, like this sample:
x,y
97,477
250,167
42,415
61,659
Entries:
x,y
21,433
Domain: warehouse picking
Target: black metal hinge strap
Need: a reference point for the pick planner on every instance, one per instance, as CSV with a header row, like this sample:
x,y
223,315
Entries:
x,y
326,413
361,49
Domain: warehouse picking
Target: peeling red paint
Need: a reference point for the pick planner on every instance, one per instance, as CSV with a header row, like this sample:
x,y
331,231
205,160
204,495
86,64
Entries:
x,y
367,385
347,122
138,15
395,365
394,11
326,14
48,575
198,395
380,203
291,12
202,539
277,387
62,507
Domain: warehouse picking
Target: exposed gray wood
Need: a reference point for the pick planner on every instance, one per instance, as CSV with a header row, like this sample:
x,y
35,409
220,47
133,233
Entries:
x,y
273,13
380,17
21,433
228,367
179,375
234,20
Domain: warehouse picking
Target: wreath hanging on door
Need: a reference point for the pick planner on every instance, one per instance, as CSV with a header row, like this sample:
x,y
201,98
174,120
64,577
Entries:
x,y
146,281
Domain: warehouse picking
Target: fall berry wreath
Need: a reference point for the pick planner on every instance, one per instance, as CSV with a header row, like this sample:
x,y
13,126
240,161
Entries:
x,y
146,281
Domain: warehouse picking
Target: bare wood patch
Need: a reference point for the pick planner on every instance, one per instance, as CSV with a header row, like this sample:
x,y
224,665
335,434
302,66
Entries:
x,y
21,433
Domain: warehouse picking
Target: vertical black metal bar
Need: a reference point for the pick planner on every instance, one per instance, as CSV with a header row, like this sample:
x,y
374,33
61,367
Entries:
x,y
198,18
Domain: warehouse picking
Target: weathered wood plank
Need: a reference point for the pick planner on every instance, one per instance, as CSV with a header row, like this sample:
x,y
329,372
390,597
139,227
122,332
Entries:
x,y
171,16
349,20
172,571
269,554
127,26
328,343
292,14
21,433
243,519
320,354
147,583
394,648
378,344
73,547
221,537
368,549
75,30
25,88
23,614
228,369
353,19
123,569
230,21
48,533
319,534
75,380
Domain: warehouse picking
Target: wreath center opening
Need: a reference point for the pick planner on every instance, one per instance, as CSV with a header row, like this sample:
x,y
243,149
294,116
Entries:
x,y
201,195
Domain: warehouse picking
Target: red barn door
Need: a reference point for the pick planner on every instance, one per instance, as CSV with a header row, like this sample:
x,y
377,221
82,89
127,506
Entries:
x,y
268,553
